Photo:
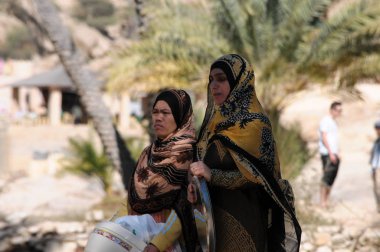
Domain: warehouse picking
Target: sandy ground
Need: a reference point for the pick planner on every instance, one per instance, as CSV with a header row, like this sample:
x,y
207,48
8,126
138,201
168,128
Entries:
x,y
352,201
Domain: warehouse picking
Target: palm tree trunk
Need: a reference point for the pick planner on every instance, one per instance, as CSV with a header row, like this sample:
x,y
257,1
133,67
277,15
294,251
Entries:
x,y
140,16
87,86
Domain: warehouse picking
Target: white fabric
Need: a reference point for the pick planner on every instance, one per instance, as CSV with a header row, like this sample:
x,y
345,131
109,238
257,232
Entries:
x,y
329,126
144,227
375,157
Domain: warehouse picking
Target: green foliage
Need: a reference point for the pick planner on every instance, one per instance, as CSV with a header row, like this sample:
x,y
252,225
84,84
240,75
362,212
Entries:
x,y
292,149
178,44
96,13
293,42
84,159
19,44
347,43
135,146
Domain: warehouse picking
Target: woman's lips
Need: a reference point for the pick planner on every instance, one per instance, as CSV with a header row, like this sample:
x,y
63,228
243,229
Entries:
x,y
158,126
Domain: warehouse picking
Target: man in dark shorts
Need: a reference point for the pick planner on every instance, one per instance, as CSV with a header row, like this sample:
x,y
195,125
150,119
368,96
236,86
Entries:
x,y
329,150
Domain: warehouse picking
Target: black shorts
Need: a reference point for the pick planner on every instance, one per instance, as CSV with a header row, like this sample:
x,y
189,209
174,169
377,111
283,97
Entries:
x,y
330,170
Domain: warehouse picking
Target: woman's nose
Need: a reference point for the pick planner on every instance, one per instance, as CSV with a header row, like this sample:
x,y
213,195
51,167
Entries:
x,y
158,118
213,85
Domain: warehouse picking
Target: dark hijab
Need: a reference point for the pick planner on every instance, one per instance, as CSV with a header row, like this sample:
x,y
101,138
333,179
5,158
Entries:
x,y
180,104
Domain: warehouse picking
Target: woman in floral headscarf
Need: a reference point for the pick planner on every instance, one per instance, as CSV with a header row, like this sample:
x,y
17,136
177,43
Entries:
x,y
158,186
253,207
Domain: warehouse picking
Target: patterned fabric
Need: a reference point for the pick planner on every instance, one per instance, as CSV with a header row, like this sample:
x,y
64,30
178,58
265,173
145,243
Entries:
x,y
241,125
232,236
229,179
162,167
159,182
114,238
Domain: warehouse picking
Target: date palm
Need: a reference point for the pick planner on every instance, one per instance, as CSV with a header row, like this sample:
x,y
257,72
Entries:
x,y
294,42
177,43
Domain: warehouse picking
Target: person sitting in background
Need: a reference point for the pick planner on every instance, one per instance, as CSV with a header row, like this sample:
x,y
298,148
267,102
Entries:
x,y
375,165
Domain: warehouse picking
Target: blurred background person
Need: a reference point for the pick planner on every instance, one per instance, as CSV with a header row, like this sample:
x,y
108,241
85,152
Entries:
x,y
375,165
329,150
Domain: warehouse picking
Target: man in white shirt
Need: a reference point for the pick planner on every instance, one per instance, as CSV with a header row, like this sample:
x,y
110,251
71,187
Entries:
x,y
329,150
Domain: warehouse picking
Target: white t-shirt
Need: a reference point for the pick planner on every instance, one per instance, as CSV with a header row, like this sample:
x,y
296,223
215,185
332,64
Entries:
x,y
329,126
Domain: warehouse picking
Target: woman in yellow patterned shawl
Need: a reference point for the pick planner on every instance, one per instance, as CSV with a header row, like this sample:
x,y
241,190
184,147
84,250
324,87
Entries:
x,y
253,206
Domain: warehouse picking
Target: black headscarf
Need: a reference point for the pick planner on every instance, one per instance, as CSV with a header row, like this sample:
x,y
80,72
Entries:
x,y
226,68
179,102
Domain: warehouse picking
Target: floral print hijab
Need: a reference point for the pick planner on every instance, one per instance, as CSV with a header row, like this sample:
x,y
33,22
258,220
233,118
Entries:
x,y
162,168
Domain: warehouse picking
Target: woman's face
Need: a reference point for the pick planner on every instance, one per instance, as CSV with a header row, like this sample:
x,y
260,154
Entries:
x,y
219,86
163,120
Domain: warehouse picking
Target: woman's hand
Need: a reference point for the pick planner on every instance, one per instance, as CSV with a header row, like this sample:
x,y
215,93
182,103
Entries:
x,y
191,196
200,169
151,248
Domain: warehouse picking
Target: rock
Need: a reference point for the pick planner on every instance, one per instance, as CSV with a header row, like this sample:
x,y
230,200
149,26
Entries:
x,y
324,249
69,227
342,250
88,216
367,249
329,229
82,242
338,239
66,247
2,184
321,239
16,218
307,246
48,227
18,240
98,215
3,225
305,237
370,236
5,244
34,229
352,232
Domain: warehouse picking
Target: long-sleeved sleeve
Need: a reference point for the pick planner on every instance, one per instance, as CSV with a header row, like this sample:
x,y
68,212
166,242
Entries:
x,y
169,233
228,179
224,172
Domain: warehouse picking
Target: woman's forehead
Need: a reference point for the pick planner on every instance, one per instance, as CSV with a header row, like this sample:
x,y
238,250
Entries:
x,y
217,71
161,104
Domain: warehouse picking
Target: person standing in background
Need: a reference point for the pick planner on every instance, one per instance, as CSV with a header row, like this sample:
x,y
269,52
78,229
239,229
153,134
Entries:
x,y
329,150
375,165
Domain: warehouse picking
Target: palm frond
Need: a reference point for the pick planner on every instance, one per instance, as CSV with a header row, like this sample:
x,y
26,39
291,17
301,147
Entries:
x,y
358,21
176,49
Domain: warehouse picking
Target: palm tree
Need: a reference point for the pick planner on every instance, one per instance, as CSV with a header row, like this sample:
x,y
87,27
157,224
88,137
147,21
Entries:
x,y
292,42
347,44
177,44
87,86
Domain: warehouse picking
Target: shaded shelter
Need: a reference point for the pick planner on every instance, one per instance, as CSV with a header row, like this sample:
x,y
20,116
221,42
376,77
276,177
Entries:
x,y
58,92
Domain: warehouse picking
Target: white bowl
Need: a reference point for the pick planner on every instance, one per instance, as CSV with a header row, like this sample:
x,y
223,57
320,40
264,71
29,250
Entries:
x,y
108,236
